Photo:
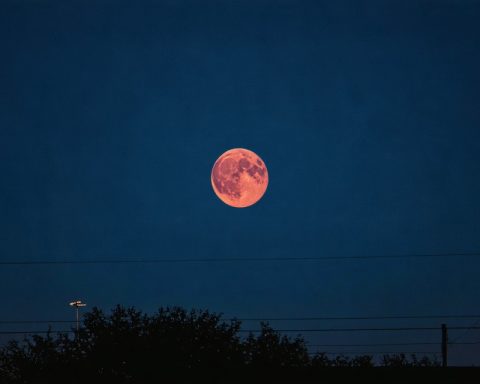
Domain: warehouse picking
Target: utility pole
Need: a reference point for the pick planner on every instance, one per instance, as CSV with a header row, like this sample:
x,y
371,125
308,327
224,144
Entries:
x,y
77,304
444,345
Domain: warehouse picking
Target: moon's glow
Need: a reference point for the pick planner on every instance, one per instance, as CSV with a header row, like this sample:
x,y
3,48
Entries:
x,y
239,177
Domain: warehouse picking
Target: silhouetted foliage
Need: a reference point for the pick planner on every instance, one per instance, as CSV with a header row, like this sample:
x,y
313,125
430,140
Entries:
x,y
321,360
401,361
128,346
270,349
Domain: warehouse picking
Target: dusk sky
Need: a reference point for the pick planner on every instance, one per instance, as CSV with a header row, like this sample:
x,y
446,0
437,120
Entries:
x,y
112,114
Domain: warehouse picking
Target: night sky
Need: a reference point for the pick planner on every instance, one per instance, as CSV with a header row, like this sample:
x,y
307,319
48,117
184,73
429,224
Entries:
x,y
112,114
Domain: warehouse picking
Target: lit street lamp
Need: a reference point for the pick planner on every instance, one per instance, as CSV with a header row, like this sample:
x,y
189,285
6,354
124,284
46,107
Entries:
x,y
77,304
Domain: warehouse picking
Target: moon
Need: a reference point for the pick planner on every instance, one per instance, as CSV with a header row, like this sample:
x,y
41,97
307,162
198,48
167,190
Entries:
x,y
239,177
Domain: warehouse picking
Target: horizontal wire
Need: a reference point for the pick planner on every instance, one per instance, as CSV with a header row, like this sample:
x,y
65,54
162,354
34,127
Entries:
x,y
34,332
370,345
366,329
35,321
400,317
300,330
366,353
239,259
392,344
326,318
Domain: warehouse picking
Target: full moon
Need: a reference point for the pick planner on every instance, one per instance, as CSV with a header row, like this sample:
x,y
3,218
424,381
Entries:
x,y
239,178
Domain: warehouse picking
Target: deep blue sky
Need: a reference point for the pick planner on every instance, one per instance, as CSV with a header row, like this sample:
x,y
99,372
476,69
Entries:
x,y
367,116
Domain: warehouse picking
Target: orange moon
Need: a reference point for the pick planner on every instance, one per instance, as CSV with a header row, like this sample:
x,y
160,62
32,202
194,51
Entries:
x,y
239,178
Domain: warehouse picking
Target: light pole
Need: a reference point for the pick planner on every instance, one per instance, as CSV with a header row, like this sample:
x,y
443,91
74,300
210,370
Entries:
x,y
77,304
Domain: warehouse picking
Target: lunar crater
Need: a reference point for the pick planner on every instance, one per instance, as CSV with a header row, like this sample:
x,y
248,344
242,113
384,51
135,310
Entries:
x,y
239,177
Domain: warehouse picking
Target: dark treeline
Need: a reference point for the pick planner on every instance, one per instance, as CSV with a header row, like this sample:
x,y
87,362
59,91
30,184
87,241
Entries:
x,y
128,346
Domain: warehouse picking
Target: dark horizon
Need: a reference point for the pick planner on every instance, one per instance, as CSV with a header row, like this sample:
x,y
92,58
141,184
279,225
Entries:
x,y
174,344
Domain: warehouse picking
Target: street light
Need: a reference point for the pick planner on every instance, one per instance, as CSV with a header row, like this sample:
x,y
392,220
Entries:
x,y
77,304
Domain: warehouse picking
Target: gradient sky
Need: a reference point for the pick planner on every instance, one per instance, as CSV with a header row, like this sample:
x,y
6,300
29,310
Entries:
x,y
112,114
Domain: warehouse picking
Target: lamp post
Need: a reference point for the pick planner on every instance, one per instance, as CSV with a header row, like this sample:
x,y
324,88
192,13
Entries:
x,y
77,304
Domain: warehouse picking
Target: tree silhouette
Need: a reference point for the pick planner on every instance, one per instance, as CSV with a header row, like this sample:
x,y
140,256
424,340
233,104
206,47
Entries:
x,y
401,361
321,360
128,346
271,350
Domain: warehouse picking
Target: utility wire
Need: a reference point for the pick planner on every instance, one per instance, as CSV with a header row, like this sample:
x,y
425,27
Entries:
x,y
34,332
464,333
370,345
327,318
240,259
300,330
35,321
363,329
359,353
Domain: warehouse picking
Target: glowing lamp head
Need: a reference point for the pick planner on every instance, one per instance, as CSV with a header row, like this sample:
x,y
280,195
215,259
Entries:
x,y
77,303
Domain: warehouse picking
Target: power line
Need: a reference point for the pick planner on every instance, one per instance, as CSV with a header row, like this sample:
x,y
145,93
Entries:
x,y
324,318
33,332
240,259
392,329
35,321
464,333
310,353
370,344
389,344
465,343
338,353
299,330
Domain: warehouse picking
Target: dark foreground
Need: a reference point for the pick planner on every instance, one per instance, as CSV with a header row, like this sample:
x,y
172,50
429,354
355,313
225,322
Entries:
x,y
179,346
336,375
368,375
323,375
